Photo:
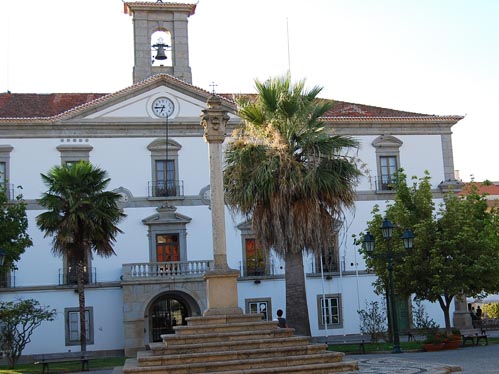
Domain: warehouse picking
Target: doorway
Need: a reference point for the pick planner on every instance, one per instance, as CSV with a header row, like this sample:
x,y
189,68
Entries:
x,y
166,312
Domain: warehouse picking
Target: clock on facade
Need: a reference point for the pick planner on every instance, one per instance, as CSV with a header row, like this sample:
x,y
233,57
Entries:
x,y
163,107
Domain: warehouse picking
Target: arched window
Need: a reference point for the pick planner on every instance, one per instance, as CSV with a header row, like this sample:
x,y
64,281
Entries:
x,y
161,53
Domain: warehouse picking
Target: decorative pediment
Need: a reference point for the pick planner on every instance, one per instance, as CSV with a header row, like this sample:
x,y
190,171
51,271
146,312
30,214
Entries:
x,y
166,215
387,141
138,102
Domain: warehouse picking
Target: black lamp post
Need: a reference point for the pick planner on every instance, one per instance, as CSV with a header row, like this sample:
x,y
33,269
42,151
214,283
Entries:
x,y
408,239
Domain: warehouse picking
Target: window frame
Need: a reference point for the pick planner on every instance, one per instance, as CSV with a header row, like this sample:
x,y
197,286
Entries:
x,y
5,150
167,222
89,311
165,150
257,301
74,152
339,314
387,146
247,233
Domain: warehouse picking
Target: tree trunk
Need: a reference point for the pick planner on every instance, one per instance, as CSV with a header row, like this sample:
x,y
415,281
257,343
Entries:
x,y
81,302
296,294
445,305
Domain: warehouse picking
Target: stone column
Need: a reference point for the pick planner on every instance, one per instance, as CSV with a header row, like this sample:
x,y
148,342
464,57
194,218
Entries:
x,y
461,317
221,282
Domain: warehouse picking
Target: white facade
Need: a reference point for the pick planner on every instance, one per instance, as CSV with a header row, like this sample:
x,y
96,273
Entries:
x,y
120,133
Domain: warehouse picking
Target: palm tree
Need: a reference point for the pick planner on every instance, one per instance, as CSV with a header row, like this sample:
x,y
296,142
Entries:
x,y
82,219
290,177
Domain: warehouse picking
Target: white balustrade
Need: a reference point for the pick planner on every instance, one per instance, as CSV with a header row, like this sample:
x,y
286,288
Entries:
x,y
174,269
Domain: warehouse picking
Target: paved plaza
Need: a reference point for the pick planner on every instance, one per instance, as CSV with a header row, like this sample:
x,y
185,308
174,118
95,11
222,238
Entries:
x,y
468,360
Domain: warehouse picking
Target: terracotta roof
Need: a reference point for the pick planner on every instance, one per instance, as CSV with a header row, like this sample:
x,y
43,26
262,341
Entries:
x,y
29,105
43,107
346,111
488,188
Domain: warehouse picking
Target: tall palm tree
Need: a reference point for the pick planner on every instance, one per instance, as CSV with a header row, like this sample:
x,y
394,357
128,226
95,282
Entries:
x,y
82,219
290,177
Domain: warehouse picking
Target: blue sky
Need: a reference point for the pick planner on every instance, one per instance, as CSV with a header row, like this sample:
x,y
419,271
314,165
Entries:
x,y
426,56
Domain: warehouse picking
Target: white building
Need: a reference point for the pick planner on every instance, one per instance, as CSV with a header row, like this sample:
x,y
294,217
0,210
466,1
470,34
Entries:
x,y
159,163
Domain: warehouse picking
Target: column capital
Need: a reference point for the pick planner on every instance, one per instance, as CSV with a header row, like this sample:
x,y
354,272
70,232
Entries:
x,y
214,120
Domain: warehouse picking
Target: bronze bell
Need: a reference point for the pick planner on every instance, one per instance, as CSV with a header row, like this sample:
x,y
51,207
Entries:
x,y
160,54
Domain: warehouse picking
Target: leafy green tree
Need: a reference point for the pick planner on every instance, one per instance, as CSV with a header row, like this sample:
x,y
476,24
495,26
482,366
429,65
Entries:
x,y
456,246
14,238
18,320
290,177
81,217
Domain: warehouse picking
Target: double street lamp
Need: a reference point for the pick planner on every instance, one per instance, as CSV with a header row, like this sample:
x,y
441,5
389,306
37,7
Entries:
x,y
408,239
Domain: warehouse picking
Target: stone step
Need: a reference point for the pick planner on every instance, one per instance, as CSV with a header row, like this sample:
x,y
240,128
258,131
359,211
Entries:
x,y
350,368
326,360
229,345
209,337
148,359
225,327
222,319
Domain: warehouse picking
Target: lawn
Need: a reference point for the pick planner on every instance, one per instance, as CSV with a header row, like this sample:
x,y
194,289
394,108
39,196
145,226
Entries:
x,y
384,347
65,367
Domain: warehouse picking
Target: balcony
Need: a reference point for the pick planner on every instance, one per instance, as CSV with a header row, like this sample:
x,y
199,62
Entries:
x,y
255,270
68,276
165,270
165,188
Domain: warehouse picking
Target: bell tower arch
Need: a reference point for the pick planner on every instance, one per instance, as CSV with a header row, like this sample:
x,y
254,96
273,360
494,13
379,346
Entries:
x,y
150,56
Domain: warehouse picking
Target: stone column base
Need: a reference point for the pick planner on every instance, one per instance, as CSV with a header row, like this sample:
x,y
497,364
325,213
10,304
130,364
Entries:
x,y
221,292
462,320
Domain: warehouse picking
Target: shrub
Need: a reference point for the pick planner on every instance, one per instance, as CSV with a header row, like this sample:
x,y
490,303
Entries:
x,y
420,317
373,321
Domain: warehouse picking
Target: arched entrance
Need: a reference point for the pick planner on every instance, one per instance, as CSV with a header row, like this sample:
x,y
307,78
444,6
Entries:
x,y
167,311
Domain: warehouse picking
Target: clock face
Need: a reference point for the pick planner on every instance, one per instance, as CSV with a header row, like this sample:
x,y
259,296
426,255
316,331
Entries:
x,y
163,107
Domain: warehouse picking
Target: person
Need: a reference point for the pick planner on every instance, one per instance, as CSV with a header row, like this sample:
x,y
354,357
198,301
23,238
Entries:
x,y
473,314
281,320
478,312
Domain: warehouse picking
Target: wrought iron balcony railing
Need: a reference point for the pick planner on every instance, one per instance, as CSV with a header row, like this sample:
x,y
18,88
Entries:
x,y
68,276
166,188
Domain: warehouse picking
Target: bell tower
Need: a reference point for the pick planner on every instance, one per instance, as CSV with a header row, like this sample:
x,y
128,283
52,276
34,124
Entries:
x,y
160,38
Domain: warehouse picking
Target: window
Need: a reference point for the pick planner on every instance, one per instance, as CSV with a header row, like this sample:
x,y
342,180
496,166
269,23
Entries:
x,y
72,325
164,157
167,248
388,165
388,156
70,272
329,308
5,151
164,173
3,168
329,261
167,232
262,306
72,153
255,259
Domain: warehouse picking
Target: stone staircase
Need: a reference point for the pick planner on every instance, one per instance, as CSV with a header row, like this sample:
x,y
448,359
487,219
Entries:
x,y
236,344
